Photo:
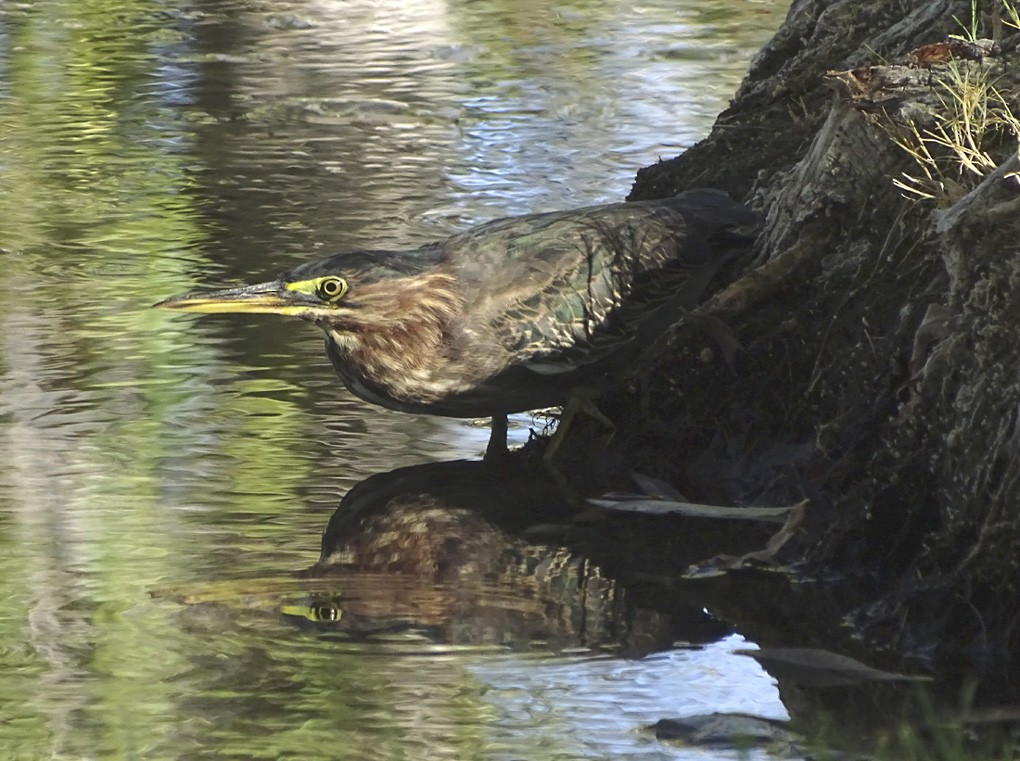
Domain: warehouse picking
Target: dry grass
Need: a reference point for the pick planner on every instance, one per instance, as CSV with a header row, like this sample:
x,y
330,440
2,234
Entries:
x,y
953,153
972,117
1012,15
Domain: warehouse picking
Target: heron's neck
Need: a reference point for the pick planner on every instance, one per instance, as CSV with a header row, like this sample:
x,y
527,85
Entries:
x,y
398,342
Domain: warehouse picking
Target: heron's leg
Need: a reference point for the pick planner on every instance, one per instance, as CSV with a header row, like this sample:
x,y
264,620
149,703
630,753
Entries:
x,y
580,402
496,450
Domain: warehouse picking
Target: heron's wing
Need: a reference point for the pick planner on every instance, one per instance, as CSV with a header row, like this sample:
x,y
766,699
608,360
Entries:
x,y
566,289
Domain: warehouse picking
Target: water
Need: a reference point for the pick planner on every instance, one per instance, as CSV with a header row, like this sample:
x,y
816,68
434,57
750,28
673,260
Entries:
x,y
162,477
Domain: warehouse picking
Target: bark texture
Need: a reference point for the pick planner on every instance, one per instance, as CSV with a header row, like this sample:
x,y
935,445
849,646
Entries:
x,y
880,371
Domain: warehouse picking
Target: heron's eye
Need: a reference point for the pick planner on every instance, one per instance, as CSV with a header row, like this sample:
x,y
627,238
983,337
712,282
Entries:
x,y
331,288
324,613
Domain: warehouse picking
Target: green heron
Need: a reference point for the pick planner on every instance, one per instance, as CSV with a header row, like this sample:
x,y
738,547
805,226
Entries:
x,y
511,315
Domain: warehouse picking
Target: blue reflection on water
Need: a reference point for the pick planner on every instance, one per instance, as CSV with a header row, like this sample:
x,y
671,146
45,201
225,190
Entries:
x,y
602,706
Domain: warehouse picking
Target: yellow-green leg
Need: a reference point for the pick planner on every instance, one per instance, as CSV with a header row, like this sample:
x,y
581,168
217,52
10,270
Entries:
x,y
580,402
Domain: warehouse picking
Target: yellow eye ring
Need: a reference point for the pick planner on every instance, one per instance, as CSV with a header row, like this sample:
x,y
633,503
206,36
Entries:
x,y
331,288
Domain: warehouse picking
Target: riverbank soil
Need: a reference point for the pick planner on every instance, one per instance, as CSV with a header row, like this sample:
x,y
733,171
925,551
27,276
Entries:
x,y
878,320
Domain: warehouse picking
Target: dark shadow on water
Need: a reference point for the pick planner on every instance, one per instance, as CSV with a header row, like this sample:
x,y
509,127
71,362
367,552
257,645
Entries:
x,y
465,554
464,557
462,554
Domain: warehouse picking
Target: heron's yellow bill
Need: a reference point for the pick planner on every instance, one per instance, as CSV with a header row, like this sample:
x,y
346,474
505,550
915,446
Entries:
x,y
263,298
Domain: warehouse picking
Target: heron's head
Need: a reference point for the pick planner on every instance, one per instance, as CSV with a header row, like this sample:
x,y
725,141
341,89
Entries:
x,y
346,294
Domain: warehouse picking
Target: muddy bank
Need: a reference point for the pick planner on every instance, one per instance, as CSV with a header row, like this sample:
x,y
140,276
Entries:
x,y
878,376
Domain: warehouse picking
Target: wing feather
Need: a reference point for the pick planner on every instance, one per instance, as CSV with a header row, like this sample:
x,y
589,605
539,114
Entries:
x,y
562,290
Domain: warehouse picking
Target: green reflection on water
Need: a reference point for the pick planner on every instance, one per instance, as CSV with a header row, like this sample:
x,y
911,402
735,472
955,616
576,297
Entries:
x,y
100,216
140,448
